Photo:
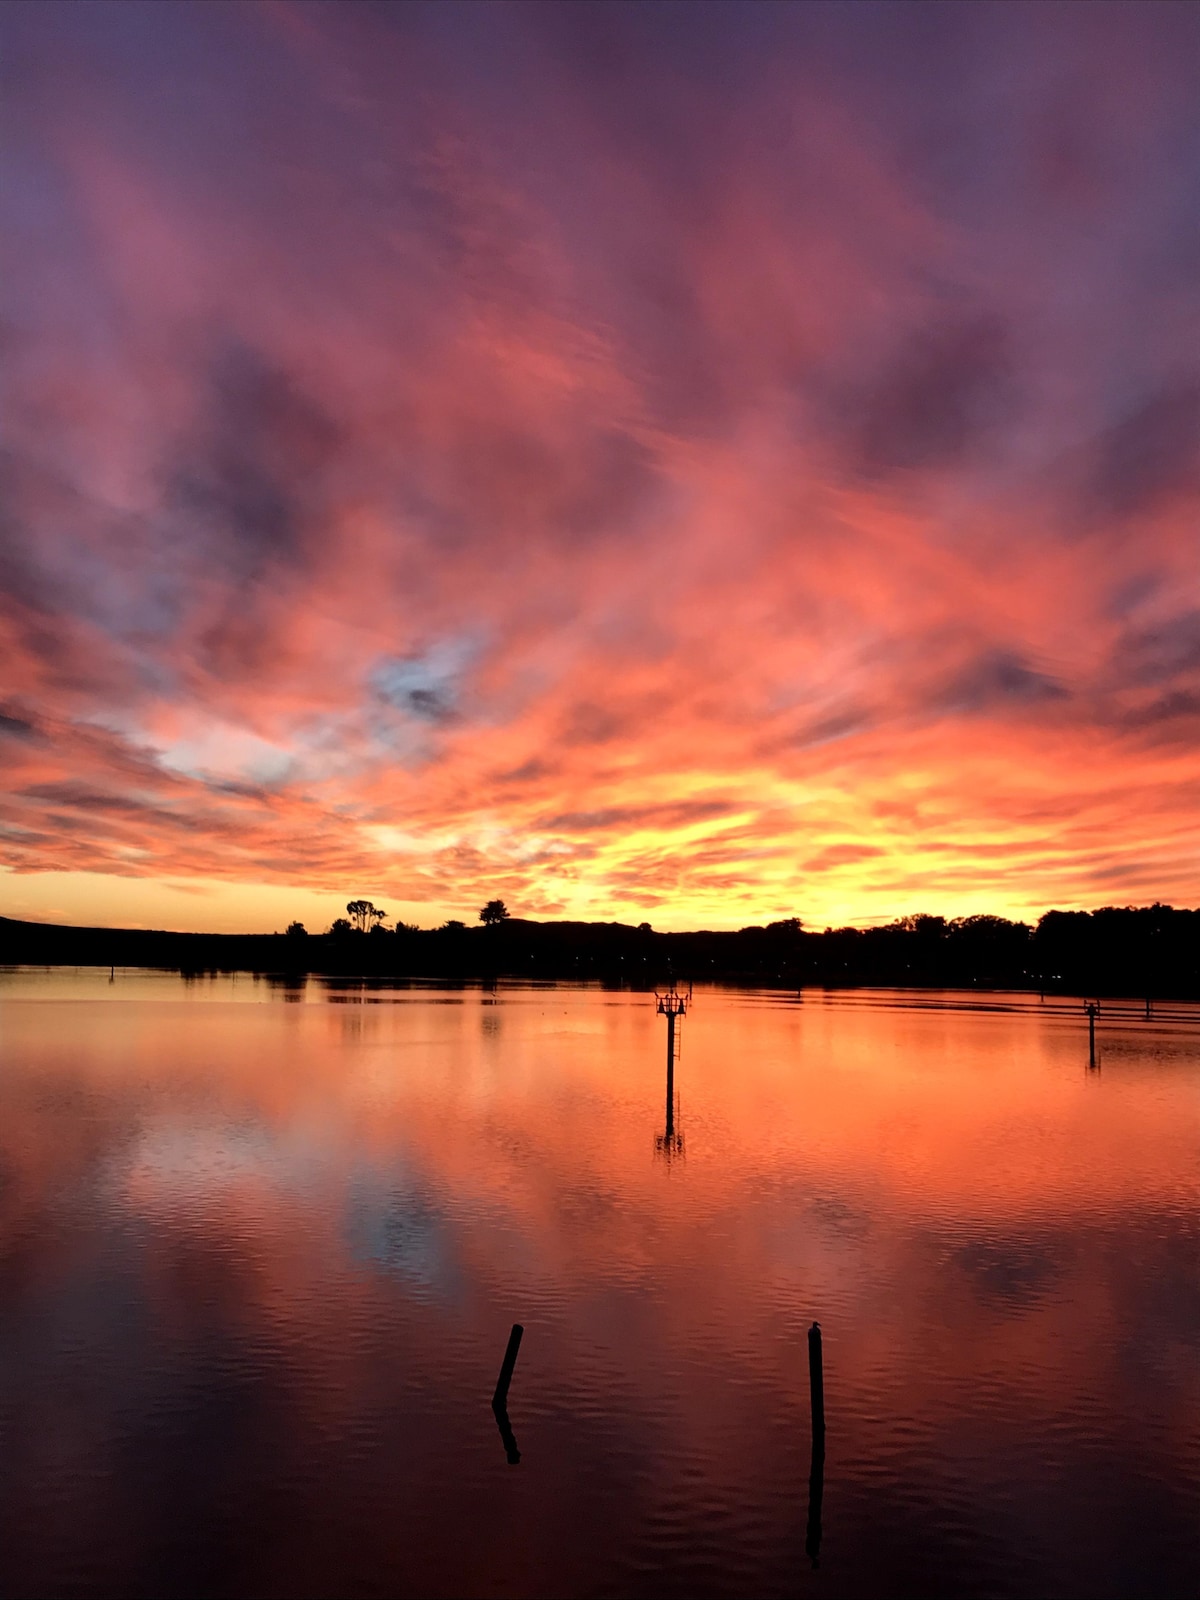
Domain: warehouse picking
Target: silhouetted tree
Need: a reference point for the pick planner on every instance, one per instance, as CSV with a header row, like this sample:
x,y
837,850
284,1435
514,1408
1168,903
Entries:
x,y
297,930
364,915
494,913
340,927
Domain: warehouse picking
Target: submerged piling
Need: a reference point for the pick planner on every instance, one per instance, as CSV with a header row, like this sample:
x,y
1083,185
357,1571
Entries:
x,y
816,1494
507,1437
500,1398
1091,1008
816,1474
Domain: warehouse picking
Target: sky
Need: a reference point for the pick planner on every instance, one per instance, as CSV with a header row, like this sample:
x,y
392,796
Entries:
x,y
686,463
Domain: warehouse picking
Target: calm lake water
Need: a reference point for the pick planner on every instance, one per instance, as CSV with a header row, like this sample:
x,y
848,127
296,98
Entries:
x,y
261,1249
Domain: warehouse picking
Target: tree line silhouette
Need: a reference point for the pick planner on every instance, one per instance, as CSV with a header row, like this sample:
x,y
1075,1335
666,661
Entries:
x,y
1143,951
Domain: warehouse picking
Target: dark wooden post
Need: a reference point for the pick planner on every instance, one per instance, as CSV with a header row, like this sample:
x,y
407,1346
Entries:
x,y
816,1493
500,1398
816,1381
507,1437
816,1475
1092,1008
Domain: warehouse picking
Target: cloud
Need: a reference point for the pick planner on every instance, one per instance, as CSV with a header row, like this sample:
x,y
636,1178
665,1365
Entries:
x,y
427,684
1179,705
1160,653
941,395
996,678
248,482
1152,453
741,468
16,727
841,855
667,816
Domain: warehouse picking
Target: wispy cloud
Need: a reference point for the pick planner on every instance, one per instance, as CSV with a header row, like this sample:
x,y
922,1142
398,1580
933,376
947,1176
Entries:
x,y
743,467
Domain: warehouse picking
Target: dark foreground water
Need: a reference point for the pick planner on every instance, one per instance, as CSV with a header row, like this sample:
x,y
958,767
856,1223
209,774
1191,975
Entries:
x,y
260,1251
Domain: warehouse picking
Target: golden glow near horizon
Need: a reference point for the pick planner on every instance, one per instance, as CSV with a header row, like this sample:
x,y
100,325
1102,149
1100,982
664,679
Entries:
x,y
704,516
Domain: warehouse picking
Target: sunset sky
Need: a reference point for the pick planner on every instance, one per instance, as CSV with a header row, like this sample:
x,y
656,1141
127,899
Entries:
x,y
690,463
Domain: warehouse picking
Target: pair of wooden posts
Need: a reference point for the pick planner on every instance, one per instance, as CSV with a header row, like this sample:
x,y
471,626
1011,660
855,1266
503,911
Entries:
x,y
816,1395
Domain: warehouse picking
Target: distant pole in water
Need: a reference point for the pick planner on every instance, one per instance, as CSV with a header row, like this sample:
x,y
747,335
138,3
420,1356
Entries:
x,y
1091,1008
670,1077
671,1005
670,1073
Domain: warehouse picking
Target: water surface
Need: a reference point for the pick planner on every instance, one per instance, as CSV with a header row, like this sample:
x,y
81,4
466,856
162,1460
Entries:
x,y
261,1248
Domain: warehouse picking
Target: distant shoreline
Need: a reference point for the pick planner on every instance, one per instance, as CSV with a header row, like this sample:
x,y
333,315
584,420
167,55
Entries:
x,y
1151,951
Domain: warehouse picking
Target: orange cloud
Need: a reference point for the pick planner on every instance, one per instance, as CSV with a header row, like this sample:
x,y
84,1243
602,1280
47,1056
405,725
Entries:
x,y
748,482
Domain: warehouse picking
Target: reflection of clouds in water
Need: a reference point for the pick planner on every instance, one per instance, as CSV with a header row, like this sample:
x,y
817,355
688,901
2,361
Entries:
x,y
1011,1274
1161,1289
821,1233
401,1230
839,1216
199,1165
1002,1255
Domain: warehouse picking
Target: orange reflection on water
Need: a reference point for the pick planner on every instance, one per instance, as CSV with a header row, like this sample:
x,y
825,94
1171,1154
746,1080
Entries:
x,y
343,1204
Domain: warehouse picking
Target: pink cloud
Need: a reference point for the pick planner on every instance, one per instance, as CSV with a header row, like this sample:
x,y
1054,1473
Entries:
x,y
727,481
